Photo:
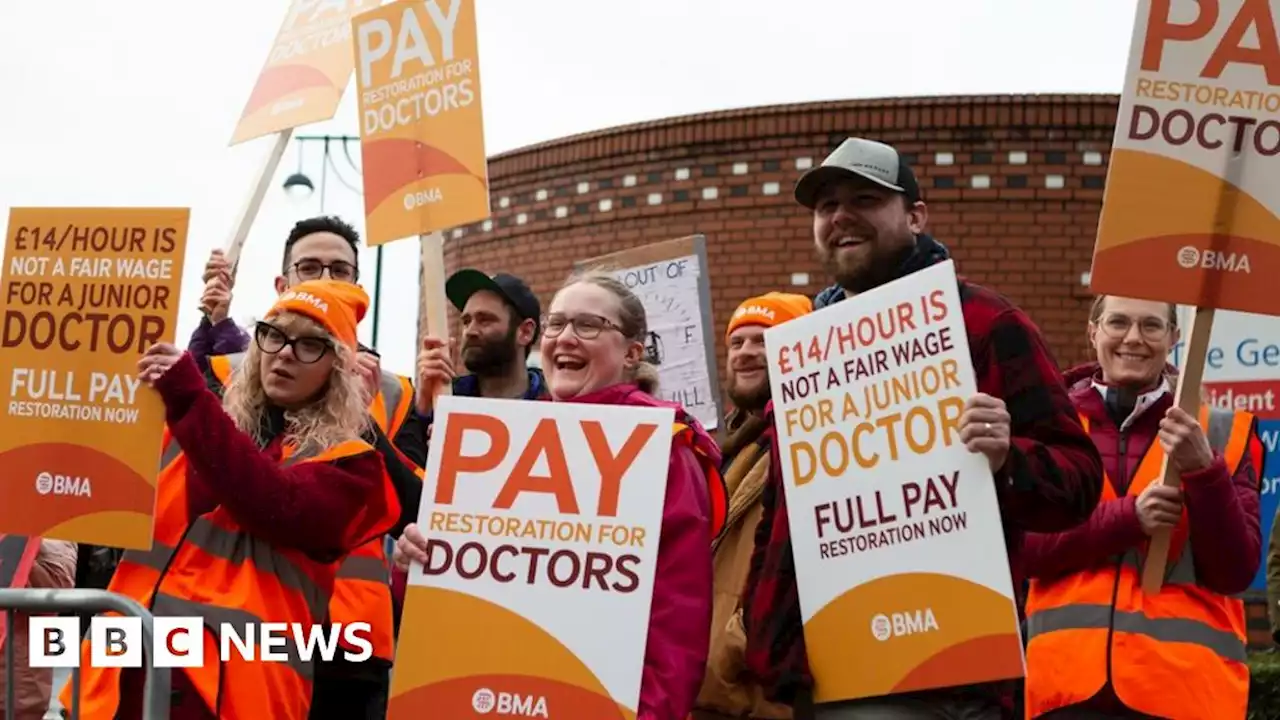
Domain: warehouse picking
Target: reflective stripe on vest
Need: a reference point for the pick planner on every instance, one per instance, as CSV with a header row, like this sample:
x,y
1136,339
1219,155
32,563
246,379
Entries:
x,y
214,570
717,491
1178,653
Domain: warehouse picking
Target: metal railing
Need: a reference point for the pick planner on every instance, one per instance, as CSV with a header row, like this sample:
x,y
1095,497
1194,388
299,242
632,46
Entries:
x,y
155,694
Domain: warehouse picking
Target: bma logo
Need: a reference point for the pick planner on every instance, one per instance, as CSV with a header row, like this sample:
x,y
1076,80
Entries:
x,y
307,298
1190,257
485,701
764,312
884,627
47,483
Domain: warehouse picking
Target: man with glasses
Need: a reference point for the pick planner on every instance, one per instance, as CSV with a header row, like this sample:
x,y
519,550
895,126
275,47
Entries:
x,y
329,247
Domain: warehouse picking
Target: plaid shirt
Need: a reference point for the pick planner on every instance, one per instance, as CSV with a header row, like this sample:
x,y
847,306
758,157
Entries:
x,y
1050,482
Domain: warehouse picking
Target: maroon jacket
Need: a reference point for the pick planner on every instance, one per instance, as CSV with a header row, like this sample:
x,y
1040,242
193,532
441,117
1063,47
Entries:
x,y
1226,535
1050,481
307,506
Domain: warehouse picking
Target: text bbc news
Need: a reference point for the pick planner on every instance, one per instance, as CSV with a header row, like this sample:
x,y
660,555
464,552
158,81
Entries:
x,y
180,642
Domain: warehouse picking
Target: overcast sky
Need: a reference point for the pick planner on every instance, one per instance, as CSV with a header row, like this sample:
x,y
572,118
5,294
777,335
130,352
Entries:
x,y
133,103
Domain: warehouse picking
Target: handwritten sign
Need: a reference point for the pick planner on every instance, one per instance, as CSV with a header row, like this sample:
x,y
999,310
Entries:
x,y
85,292
537,517
900,558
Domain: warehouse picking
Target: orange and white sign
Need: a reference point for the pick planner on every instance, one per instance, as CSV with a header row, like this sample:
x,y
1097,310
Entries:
x,y
537,516
307,69
899,553
85,292
1191,194
421,128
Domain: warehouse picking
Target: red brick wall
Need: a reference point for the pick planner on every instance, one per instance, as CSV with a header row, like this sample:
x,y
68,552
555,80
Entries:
x,y
1013,183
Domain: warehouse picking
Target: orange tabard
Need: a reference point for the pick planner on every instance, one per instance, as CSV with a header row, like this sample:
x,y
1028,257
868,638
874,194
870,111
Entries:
x,y
1179,653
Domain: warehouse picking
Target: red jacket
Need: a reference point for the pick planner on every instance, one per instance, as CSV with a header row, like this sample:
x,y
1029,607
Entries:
x,y
680,616
1226,534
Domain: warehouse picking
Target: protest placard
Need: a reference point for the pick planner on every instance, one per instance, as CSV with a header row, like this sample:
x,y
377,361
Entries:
x,y
670,279
1191,196
307,69
538,517
85,292
899,550
421,126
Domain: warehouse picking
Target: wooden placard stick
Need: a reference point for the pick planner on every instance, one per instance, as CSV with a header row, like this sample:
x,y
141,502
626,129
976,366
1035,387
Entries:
x,y
1187,397
257,193
435,310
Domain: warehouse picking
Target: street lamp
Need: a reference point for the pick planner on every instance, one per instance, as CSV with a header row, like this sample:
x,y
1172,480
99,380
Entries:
x,y
298,187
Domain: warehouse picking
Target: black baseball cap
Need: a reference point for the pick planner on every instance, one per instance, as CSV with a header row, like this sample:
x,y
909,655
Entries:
x,y
859,158
467,282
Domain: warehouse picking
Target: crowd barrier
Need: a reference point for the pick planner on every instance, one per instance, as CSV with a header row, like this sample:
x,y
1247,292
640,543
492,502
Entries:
x,y
155,701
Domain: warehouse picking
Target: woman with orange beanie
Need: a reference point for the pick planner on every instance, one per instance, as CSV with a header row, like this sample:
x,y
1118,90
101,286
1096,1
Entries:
x,y
258,497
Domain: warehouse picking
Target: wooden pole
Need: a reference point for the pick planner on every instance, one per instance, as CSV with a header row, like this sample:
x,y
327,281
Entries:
x,y
257,192
434,320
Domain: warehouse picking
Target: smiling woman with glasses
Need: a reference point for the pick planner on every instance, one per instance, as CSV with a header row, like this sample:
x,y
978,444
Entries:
x,y
282,471
1098,644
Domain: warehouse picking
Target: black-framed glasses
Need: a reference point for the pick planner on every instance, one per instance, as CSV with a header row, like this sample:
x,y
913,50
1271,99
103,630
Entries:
x,y
1150,328
310,269
586,326
307,349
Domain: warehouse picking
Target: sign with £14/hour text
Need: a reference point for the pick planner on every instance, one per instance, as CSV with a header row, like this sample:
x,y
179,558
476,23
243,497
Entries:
x,y
307,70
899,553
421,127
538,516
85,292
1191,195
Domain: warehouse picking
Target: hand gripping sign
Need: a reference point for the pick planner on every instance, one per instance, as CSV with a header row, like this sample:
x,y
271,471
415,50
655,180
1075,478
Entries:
x,y
542,522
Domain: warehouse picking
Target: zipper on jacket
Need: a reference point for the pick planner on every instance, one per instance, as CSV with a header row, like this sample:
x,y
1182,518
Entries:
x,y
1123,468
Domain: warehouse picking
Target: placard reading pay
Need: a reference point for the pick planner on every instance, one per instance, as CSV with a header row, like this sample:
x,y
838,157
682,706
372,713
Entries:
x,y
543,522
900,558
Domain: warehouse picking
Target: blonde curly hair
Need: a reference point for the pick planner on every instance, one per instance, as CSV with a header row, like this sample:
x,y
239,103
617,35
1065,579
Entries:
x,y
340,414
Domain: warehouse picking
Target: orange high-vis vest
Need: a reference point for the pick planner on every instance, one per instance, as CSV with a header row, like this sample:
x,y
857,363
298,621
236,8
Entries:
x,y
1177,654
717,491
363,589
211,568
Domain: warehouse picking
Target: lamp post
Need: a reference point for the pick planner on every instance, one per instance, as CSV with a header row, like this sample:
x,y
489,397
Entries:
x,y
298,186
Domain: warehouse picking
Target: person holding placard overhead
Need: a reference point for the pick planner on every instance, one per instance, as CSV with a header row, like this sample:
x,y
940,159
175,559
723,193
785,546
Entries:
x,y
282,471
869,230
1097,645
593,350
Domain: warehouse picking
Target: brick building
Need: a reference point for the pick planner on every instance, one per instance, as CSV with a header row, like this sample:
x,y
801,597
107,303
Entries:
x,y
1014,187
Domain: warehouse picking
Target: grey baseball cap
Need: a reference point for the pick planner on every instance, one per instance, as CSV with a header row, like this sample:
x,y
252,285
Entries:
x,y
859,158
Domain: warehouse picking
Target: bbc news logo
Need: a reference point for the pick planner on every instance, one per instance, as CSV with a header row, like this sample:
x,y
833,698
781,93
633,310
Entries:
x,y
54,642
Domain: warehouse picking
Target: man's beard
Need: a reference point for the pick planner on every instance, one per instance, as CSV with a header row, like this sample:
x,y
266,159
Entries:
x,y
751,399
879,266
488,358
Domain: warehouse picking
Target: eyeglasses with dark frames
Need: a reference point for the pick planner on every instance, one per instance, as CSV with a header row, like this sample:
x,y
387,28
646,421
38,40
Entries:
x,y
311,269
308,349
586,326
1151,329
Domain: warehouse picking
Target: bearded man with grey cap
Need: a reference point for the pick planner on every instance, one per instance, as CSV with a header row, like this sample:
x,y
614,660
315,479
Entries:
x,y
869,229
